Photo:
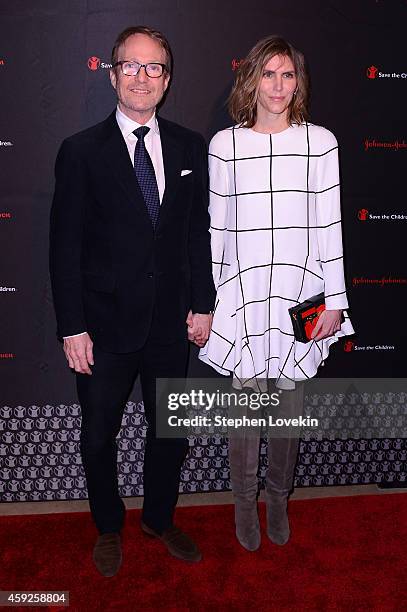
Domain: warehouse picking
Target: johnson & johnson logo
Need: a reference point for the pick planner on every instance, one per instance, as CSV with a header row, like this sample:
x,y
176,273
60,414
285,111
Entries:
x,y
378,282
94,63
396,145
236,63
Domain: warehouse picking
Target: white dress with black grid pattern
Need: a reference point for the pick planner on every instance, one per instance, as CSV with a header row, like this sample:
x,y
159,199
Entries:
x,y
276,241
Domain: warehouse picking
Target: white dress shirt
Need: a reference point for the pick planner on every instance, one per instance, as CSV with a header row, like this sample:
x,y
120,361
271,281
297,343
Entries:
x,y
153,145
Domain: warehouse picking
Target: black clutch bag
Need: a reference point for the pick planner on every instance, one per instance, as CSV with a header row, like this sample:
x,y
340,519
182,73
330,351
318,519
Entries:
x,y
305,316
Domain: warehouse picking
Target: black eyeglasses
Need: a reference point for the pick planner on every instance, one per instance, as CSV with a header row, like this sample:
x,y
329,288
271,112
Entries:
x,y
153,70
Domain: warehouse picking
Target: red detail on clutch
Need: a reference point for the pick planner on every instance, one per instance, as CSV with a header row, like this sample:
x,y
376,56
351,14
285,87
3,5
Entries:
x,y
310,319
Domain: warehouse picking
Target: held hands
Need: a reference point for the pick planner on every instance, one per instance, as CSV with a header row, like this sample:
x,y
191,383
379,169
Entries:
x,y
199,326
79,353
329,322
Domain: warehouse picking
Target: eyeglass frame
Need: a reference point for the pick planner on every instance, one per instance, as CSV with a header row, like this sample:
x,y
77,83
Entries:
x,y
121,62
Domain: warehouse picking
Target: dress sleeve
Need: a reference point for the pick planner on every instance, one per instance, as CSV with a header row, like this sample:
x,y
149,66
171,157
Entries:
x,y
329,231
219,195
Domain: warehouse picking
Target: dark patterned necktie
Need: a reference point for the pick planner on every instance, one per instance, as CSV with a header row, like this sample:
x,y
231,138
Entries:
x,y
144,169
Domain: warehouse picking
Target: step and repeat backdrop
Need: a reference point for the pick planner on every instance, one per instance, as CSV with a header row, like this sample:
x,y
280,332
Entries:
x,y
54,80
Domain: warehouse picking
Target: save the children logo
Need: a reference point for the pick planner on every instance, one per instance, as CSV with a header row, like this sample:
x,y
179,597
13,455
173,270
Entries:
x,y
350,346
373,72
363,214
94,63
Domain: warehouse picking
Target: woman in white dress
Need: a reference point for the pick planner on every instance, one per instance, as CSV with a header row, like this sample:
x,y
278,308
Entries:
x,y
276,241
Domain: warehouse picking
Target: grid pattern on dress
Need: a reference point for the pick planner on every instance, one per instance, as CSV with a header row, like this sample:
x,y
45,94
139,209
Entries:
x,y
144,169
276,241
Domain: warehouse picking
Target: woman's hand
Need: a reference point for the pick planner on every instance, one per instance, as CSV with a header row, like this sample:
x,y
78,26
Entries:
x,y
329,322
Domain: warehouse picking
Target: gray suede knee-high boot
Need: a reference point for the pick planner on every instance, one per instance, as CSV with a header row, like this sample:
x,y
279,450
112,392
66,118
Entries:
x,y
282,457
244,462
282,454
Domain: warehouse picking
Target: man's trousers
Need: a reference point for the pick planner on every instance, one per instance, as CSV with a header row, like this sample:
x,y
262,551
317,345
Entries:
x,y
103,396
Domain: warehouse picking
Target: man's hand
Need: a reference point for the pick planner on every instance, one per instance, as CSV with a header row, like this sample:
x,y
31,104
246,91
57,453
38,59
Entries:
x,y
329,322
79,353
199,326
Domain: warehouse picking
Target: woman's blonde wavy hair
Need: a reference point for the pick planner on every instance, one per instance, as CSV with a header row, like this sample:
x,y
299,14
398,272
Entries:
x,y
242,101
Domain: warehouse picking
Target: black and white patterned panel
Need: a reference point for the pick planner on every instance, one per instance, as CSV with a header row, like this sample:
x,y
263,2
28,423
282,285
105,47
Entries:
x,y
40,460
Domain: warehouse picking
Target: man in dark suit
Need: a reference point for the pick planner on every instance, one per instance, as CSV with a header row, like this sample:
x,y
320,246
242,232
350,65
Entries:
x,y
131,268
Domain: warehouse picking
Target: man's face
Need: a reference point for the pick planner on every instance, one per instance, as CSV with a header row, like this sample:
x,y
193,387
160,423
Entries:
x,y
139,95
277,86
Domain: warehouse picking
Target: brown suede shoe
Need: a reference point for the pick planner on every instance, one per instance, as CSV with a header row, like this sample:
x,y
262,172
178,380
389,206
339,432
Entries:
x,y
177,542
107,554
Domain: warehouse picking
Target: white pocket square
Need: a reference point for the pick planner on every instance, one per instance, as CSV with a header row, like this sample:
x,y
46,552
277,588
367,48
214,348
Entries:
x,y
185,172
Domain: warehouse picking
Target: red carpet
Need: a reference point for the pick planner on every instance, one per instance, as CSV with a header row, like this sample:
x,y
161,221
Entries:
x,y
345,554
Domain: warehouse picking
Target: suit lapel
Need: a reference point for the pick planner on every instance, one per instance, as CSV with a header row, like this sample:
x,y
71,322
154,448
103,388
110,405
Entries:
x,y
173,156
116,156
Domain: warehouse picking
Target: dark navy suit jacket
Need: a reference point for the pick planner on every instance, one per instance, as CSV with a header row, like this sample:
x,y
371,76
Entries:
x,y
110,271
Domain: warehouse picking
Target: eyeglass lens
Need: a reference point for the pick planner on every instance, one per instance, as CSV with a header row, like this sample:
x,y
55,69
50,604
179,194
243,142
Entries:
x,y
152,70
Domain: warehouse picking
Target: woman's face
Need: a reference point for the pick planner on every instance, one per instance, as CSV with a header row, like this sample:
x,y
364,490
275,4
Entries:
x,y
276,88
